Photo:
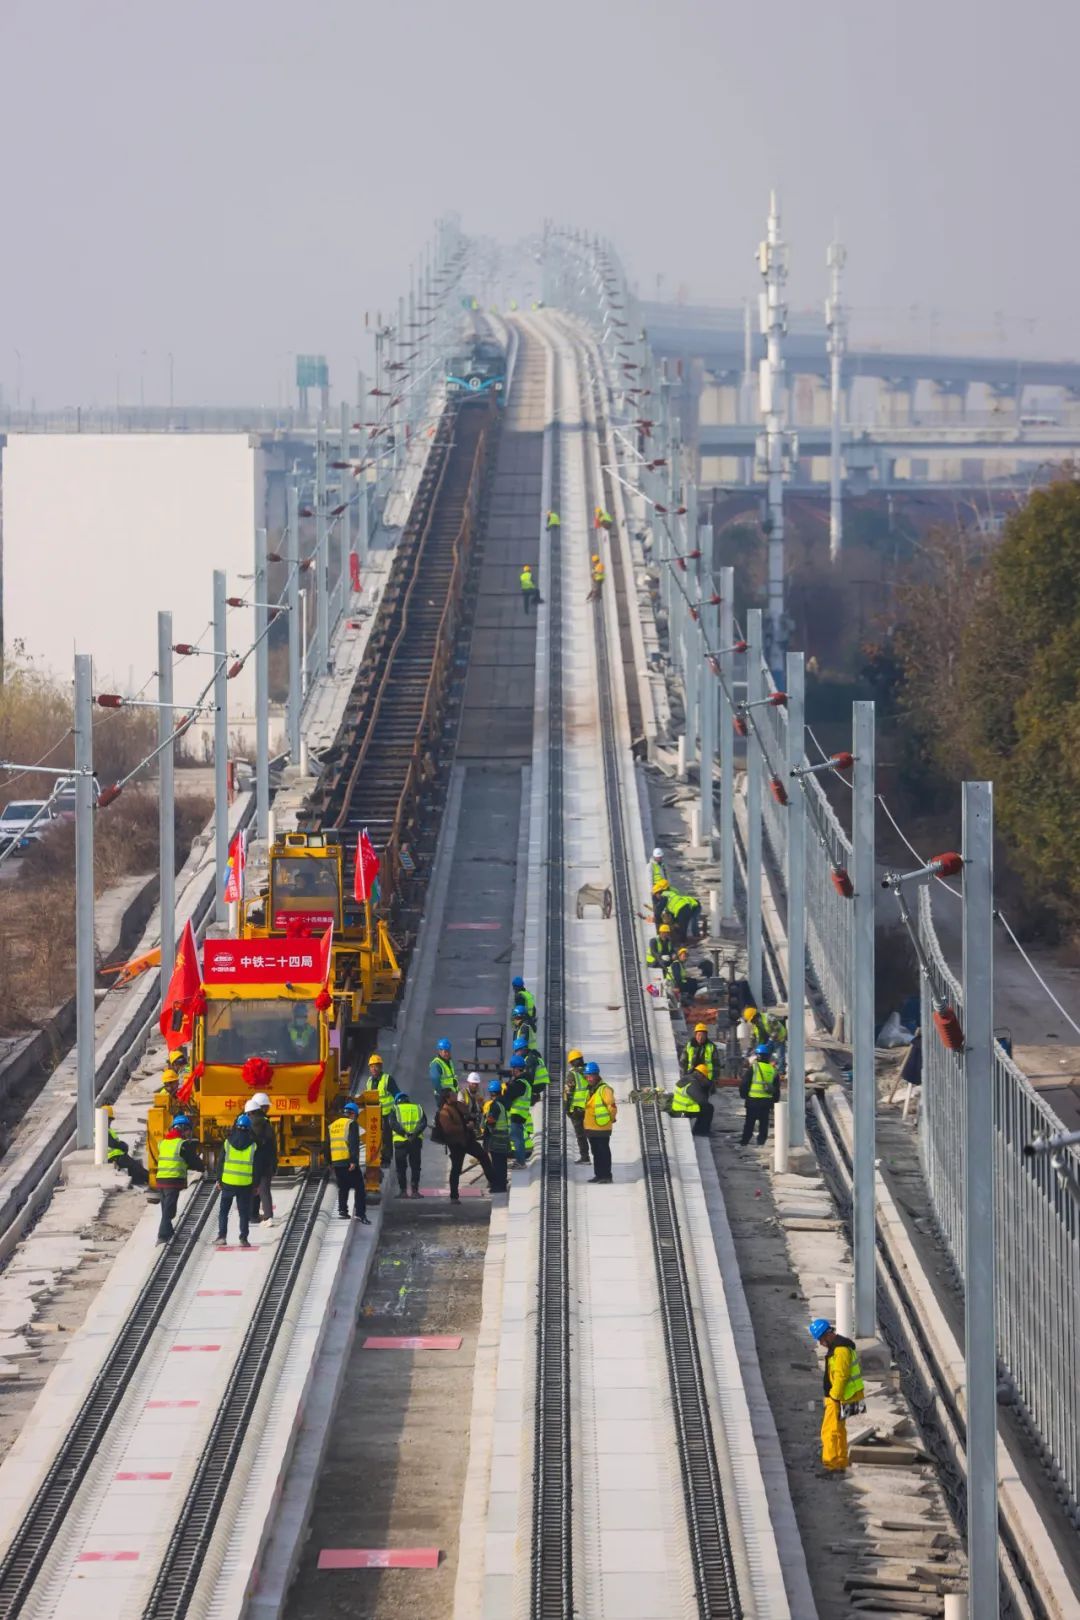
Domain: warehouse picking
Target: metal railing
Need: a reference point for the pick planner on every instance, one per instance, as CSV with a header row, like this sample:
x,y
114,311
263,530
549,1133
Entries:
x,y
1037,1228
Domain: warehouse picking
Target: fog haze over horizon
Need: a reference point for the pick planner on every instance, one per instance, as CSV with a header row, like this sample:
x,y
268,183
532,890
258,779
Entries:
x,y
230,184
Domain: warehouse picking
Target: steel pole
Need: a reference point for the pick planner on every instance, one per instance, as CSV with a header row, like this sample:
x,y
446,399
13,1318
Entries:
x,y
796,899
221,750
85,966
835,321
166,801
362,520
322,551
727,748
864,1083
980,1334
755,691
710,629
292,558
262,693
345,520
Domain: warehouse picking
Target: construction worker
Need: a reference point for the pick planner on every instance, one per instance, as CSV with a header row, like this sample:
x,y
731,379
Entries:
x,y
657,869
455,1130
523,998
691,1099
236,1176
776,1032
518,1094
470,1099
759,1089
530,592
408,1122
378,1080
174,1072
176,1155
683,984
601,519
536,1070
601,1112
598,577
844,1392
302,1027
682,912
660,891
346,1135
262,1194
575,1096
661,951
496,1135
121,1159
699,1049
441,1071
553,520
524,1027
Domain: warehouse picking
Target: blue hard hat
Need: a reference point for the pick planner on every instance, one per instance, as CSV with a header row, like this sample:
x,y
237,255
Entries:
x,y
443,1045
243,1119
401,1096
181,1122
762,1049
520,1010
818,1328
494,1087
521,1043
517,1062
592,1068
518,983
351,1107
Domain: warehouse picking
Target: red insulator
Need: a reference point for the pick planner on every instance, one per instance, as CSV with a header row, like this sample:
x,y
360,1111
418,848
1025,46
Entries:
x,y
694,614
109,700
234,669
109,795
693,555
680,563
660,508
842,762
680,511
948,1027
947,865
741,727
778,699
741,646
184,648
778,790
235,601
714,600
842,883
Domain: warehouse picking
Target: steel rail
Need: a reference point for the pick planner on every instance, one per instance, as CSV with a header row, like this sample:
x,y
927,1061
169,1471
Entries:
x,y
44,1519
715,1582
552,1550
196,1522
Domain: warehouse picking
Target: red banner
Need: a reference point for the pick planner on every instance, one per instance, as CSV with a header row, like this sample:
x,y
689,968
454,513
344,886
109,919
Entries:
x,y
263,961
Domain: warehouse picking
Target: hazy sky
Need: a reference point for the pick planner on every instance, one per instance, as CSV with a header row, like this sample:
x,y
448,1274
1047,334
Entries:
x,y
233,180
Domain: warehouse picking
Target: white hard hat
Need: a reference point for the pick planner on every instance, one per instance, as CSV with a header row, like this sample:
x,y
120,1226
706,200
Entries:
x,y
657,854
260,1100
472,1079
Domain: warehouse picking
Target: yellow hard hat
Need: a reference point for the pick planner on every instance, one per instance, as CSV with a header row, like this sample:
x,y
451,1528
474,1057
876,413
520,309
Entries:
x,y
660,885
683,951
169,1077
374,1060
109,1111
701,1029
665,928
574,1056
596,557
177,1055
702,1068
748,1013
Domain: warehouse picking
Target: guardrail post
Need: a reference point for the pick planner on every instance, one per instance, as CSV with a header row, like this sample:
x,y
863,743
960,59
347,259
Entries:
x,y
864,1081
84,902
796,899
221,750
262,692
166,802
980,1334
727,748
292,559
755,691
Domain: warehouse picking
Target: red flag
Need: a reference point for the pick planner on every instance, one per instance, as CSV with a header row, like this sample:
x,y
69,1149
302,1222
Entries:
x,y
367,868
354,572
326,962
234,882
177,1009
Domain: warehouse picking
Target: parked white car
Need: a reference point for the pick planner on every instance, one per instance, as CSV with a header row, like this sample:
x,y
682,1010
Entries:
x,y
23,821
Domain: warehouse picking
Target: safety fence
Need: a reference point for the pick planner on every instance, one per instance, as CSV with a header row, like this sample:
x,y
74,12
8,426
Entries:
x,y
1037,1226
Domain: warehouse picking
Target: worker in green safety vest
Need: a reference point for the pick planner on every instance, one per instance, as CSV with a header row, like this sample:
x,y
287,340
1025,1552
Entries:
x,y
441,1071
691,1099
385,1084
575,1096
657,869
844,1392
496,1134
518,1093
601,1112
759,1089
236,1175
682,912
661,951
408,1123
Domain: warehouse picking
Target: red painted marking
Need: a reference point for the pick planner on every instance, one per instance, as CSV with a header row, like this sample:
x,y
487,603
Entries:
x,y
379,1558
483,927
177,1347
158,1405
449,1012
107,1558
149,1475
217,1293
444,1192
418,1342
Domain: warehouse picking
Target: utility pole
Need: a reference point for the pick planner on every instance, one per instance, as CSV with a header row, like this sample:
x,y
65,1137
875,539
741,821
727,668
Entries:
x,y
836,322
221,750
262,693
296,674
322,552
796,895
773,263
710,626
85,966
691,640
362,481
166,801
345,520
980,1330
727,747
864,1080
755,692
